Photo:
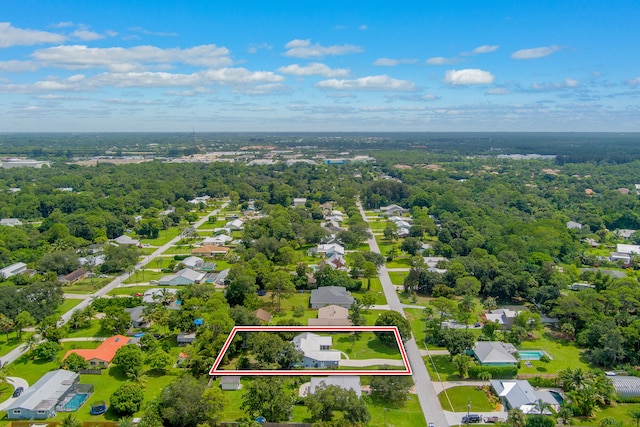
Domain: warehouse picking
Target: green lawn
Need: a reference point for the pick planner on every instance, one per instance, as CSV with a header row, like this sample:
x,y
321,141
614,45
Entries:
x,y
367,347
400,262
85,286
564,355
619,411
163,237
408,416
130,290
6,345
179,250
415,317
445,368
66,305
139,276
93,330
459,398
397,277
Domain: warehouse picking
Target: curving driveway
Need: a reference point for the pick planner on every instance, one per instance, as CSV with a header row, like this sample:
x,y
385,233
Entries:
x,y
15,382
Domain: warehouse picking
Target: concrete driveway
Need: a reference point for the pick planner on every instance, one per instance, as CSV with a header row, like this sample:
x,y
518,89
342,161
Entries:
x,y
15,382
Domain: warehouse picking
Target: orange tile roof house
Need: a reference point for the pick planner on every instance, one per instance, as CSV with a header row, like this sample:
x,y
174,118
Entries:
x,y
104,354
210,250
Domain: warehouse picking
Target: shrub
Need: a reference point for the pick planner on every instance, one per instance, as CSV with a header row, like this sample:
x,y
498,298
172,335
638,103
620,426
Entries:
x,y
495,371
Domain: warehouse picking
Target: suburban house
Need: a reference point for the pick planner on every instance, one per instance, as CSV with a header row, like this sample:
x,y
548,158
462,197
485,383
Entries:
x,y
262,315
154,295
624,233
628,249
327,249
221,277
347,382
495,353
13,269
92,260
236,224
186,276
192,262
299,202
10,222
186,338
572,225
620,256
317,351
520,394
40,400
74,276
126,240
102,356
218,240
626,386
331,315
331,295
210,251
336,262
137,317
230,382
392,210
503,317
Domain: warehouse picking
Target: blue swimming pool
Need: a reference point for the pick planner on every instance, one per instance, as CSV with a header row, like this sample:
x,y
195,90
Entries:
x,y
76,402
531,354
557,396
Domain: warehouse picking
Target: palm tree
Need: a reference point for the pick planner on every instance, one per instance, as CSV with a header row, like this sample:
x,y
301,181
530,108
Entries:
x,y
485,376
71,421
462,362
125,422
138,378
31,343
516,418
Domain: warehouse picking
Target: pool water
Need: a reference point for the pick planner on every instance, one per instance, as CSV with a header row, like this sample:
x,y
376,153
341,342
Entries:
x,y
557,396
76,402
530,355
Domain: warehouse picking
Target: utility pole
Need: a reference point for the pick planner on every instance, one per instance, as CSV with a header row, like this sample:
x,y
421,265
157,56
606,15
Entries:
x,y
468,410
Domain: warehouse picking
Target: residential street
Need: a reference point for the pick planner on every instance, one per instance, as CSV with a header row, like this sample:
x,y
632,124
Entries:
x,y
18,351
425,390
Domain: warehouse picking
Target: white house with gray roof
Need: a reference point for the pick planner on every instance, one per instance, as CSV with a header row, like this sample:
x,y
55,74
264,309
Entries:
x,y
495,353
317,351
520,394
331,295
186,276
39,401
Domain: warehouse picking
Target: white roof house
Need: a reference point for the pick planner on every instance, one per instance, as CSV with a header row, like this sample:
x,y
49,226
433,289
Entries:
x,y
502,316
186,276
520,394
317,350
13,269
494,353
126,240
219,240
39,401
192,262
330,249
236,224
150,295
628,249
10,222
572,225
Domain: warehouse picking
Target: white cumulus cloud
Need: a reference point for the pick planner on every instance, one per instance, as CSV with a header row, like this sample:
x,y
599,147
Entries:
x,y
129,59
469,76
12,36
376,83
485,49
304,49
391,62
536,52
441,60
314,69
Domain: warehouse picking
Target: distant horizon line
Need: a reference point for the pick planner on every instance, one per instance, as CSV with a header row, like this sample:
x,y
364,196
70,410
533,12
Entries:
x,y
323,132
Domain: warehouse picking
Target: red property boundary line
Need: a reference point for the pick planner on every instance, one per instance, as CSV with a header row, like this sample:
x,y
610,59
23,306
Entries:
x,y
325,372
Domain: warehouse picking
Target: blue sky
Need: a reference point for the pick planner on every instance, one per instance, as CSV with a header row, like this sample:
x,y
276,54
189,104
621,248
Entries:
x,y
319,65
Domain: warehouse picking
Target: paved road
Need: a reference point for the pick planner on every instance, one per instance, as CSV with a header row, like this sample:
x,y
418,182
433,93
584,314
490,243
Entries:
x,y
15,382
18,351
425,390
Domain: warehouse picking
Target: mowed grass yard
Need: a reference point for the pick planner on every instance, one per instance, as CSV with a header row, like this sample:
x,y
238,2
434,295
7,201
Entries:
x,y
456,399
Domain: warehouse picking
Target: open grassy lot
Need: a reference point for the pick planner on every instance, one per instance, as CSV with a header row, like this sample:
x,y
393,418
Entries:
x,y
130,290
92,330
618,411
179,250
460,397
410,415
444,367
85,286
400,262
416,319
66,305
367,347
397,277
144,276
164,236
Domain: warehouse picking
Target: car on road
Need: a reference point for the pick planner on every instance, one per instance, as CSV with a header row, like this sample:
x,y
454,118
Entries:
x,y
18,391
431,424
472,418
